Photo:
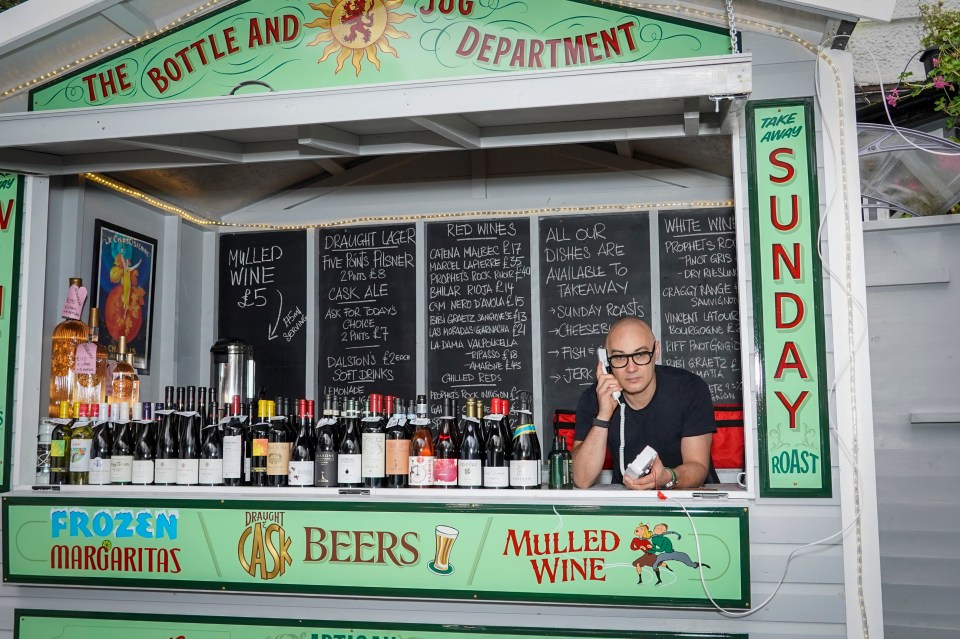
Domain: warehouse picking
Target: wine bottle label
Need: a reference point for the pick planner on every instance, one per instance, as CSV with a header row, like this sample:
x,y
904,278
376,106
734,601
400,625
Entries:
x,y
325,469
420,421
247,469
188,472
496,476
100,471
232,456
471,419
421,470
398,456
470,472
301,473
494,417
58,447
348,469
278,458
211,472
80,455
86,359
260,448
188,413
524,429
166,470
43,457
524,473
165,411
73,306
327,421
445,472
374,456
142,471
121,469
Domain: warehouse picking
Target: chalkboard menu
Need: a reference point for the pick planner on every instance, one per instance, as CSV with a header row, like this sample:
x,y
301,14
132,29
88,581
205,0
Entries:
x,y
368,310
478,310
594,269
263,301
699,308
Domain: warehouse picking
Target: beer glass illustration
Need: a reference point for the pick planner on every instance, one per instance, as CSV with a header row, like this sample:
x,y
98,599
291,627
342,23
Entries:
x,y
445,535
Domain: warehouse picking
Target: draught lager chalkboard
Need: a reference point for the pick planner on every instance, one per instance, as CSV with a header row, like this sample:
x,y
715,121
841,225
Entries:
x,y
263,301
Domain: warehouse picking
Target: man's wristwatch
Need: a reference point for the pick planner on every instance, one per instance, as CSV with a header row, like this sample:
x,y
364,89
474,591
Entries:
x,y
673,479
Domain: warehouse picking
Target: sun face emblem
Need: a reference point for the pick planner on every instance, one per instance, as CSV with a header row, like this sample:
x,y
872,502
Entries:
x,y
357,28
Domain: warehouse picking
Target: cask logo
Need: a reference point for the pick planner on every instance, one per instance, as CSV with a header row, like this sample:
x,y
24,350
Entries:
x,y
264,548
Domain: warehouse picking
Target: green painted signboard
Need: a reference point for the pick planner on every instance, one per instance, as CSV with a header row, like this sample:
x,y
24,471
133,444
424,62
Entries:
x,y
788,304
11,214
50,624
264,45
589,555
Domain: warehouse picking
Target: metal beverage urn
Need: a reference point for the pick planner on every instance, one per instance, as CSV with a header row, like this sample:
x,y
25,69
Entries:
x,y
233,370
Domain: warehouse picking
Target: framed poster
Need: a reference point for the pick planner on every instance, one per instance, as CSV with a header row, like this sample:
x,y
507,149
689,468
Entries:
x,y
124,272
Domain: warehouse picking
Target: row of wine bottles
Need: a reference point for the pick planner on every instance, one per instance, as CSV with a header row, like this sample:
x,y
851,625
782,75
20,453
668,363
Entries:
x,y
379,441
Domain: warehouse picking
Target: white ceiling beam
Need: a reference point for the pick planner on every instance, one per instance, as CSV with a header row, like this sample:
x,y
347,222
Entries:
x,y
196,145
130,19
29,22
455,128
20,161
329,165
329,139
691,117
624,148
405,142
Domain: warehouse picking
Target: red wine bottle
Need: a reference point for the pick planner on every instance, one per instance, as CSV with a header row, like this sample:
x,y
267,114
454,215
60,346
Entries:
x,y
445,449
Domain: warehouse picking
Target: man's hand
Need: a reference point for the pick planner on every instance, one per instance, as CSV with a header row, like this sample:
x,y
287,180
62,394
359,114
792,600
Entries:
x,y
606,386
651,481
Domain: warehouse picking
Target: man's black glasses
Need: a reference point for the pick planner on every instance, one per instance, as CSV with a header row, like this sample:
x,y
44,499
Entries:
x,y
641,358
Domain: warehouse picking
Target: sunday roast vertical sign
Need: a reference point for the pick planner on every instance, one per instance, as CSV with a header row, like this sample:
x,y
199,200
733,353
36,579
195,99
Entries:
x,y
11,199
788,300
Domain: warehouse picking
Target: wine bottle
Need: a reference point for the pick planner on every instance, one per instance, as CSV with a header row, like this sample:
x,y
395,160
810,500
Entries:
x,y
421,447
211,451
496,458
188,457
561,463
81,437
124,382
141,469
349,450
168,442
373,444
260,443
470,465
91,382
278,446
44,432
252,410
60,445
233,444
101,444
525,449
67,336
121,461
398,445
325,453
302,451
445,449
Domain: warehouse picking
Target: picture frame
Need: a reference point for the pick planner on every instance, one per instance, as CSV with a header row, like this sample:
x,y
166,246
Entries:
x,y
124,275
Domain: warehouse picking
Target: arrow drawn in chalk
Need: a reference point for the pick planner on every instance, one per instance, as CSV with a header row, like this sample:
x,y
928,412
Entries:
x,y
272,330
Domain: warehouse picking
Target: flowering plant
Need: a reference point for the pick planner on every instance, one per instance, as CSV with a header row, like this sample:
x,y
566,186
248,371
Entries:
x,y
941,38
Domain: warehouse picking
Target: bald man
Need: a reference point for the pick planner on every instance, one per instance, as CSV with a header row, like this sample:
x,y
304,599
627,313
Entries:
x,y
667,408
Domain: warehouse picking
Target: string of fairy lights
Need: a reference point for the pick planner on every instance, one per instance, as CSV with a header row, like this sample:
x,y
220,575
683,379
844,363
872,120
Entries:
x,y
719,17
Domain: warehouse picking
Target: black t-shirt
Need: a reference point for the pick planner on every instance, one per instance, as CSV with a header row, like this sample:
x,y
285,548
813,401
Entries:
x,y
681,407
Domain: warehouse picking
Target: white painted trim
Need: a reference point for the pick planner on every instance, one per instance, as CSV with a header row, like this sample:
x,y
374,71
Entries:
x,y
851,9
39,19
165,316
29,368
208,309
861,556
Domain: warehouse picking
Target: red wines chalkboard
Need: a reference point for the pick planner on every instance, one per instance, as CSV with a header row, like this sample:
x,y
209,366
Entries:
x,y
479,341
263,301
594,269
368,310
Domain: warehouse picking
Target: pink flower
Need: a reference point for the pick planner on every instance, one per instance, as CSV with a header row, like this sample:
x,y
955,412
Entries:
x,y
940,83
936,62
892,96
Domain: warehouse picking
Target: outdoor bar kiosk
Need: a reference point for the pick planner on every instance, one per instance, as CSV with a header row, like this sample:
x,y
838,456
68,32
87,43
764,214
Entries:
x,y
456,199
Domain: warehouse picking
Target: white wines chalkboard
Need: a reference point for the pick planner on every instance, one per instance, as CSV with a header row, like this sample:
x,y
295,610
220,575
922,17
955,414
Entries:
x,y
478,310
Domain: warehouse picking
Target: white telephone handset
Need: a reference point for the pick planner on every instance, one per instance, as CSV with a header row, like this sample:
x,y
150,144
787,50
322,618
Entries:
x,y
605,362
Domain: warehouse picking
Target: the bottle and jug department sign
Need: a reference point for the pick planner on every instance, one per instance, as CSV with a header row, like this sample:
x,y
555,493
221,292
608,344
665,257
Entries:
x,y
262,45
11,202
636,556
47,624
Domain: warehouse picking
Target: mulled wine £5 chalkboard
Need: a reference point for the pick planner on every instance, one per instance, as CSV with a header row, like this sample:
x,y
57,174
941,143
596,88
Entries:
x,y
368,314
594,269
479,340
263,301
